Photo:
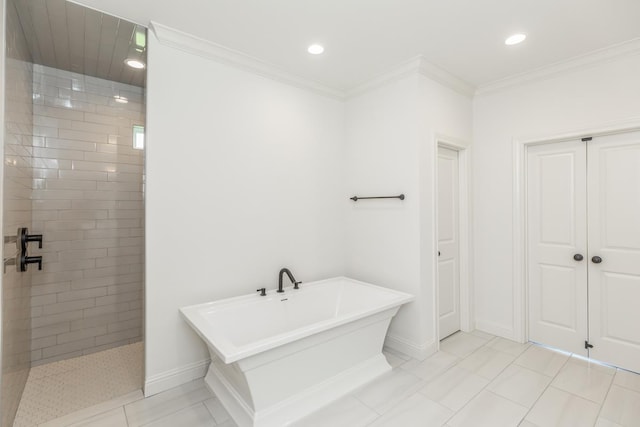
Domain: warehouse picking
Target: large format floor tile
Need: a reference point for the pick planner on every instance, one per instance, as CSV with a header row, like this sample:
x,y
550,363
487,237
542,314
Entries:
x,y
507,346
431,367
346,412
479,381
416,411
383,393
217,410
543,360
486,362
454,388
627,379
462,344
393,358
622,406
166,403
192,416
521,385
113,418
489,410
585,379
603,422
482,334
559,408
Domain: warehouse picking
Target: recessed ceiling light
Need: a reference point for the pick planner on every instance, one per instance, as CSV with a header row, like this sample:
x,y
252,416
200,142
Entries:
x,y
120,99
515,39
315,49
134,63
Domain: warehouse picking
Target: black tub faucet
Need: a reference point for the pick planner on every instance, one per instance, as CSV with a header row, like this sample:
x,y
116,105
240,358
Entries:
x,y
293,279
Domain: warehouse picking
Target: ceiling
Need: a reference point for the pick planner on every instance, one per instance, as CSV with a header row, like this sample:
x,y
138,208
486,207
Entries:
x,y
70,37
364,38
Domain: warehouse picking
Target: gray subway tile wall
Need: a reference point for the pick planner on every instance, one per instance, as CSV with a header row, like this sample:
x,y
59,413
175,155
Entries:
x,y
88,203
18,107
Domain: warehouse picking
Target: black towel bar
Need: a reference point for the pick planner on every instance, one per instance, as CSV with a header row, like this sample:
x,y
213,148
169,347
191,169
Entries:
x,y
356,198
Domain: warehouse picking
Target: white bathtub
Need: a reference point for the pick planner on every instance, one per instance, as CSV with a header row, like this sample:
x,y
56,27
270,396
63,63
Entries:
x,y
277,358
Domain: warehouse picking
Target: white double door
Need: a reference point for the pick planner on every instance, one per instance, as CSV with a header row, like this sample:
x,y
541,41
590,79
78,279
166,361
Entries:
x,y
583,238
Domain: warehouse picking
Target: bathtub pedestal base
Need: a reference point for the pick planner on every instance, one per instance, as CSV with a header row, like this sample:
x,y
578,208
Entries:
x,y
285,384
299,406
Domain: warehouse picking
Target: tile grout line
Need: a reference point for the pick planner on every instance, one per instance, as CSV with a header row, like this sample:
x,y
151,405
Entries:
x,y
486,344
545,389
624,386
526,369
126,417
487,385
177,410
605,396
424,382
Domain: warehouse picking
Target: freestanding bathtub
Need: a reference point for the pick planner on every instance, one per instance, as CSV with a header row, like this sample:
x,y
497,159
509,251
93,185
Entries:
x,y
279,357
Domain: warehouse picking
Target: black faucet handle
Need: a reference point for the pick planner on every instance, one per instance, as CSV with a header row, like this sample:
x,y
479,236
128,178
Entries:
x,y
35,238
26,260
295,285
263,291
24,238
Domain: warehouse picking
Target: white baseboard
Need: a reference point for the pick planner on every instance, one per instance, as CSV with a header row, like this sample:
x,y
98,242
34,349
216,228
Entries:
x,y
495,329
175,377
404,346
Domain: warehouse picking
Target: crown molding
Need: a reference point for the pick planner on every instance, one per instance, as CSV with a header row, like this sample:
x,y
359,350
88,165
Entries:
x,y
197,46
445,78
415,65
630,47
191,44
398,72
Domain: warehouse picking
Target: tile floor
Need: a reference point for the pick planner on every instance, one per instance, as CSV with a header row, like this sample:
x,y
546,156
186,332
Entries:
x,y
59,388
475,380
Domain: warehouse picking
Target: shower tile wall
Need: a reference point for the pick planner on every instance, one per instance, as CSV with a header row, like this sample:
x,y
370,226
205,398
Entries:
x,y
16,326
88,204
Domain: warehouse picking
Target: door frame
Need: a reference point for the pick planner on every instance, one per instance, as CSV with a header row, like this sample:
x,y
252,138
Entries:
x,y
520,273
463,149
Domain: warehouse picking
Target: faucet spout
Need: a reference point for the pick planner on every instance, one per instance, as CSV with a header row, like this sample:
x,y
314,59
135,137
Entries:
x,y
290,276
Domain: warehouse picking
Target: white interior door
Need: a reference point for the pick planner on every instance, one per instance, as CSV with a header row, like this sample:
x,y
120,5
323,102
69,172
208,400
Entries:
x,y
556,233
448,242
614,236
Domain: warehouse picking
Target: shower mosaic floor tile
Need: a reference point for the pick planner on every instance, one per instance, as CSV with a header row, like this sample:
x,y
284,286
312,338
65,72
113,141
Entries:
x,y
56,389
498,383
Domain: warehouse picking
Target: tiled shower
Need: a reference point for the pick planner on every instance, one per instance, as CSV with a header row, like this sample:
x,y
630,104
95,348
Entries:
x,y
74,172
88,205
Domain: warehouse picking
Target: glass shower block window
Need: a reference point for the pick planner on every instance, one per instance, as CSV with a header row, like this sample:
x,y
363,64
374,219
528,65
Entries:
x,y
138,137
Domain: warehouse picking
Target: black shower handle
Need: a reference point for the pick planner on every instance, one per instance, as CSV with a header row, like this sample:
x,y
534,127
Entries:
x,y
35,238
26,260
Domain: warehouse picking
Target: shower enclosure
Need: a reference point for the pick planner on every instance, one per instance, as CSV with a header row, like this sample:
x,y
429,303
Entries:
x,y
73,172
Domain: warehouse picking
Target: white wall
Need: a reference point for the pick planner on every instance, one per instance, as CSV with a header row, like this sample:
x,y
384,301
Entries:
x,y
244,176
391,147
383,236
587,98
445,116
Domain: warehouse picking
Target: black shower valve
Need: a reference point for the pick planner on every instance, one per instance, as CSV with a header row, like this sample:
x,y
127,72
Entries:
x,y
22,241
